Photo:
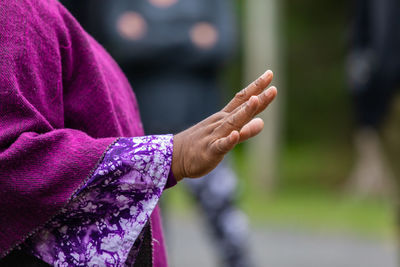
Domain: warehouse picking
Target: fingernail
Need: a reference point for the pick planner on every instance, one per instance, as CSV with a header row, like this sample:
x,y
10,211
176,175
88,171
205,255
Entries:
x,y
267,73
269,91
252,99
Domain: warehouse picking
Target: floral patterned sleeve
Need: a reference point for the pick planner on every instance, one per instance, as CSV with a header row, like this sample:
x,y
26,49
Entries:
x,y
106,216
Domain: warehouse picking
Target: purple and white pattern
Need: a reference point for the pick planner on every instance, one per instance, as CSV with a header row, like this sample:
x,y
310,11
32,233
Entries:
x,y
104,219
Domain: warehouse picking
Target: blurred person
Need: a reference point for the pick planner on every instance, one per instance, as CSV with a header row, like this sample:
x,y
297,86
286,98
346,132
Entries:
x,y
79,180
374,72
172,51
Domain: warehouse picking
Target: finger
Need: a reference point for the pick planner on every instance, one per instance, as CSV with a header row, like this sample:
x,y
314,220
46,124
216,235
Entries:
x,y
265,98
254,88
251,129
225,144
237,119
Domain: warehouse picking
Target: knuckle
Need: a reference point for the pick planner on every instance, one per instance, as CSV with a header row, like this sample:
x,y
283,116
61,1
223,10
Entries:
x,y
220,149
218,116
260,81
232,122
222,114
242,94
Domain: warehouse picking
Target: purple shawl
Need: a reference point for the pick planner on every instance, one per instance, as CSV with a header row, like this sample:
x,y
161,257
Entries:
x,y
63,101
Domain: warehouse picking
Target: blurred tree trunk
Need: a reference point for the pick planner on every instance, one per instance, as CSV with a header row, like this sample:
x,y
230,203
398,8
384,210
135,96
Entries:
x,y
263,50
371,174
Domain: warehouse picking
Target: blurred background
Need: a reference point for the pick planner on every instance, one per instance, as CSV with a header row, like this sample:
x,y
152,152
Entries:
x,y
303,205
319,184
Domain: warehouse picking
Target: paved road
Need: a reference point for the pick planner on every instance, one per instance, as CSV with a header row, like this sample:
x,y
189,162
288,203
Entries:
x,y
189,246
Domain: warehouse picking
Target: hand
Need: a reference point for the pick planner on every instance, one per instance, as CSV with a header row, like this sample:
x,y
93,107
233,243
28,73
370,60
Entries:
x,y
200,148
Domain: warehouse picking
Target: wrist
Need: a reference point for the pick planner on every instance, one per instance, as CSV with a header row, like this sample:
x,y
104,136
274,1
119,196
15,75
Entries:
x,y
176,165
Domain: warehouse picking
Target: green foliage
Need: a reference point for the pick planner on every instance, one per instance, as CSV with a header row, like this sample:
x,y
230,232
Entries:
x,y
322,211
304,210
314,166
317,152
317,100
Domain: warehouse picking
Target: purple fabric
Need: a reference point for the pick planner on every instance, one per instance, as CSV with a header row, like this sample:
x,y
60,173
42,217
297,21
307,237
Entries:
x,y
101,224
159,252
171,180
160,258
63,102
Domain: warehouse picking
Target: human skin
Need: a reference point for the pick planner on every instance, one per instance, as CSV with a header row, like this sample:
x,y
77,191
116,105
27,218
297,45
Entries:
x,y
202,147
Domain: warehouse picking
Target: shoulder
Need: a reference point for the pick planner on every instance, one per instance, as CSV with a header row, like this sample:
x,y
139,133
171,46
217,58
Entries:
x,y
31,34
33,20
18,11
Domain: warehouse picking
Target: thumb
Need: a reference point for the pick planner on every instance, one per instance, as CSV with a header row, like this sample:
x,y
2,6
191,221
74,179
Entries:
x,y
225,144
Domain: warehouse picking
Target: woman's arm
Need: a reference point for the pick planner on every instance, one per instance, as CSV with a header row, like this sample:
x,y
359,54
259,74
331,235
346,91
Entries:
x,y
107,216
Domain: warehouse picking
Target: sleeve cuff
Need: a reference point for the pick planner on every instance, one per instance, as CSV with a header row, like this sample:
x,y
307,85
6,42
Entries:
x,y
171,180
